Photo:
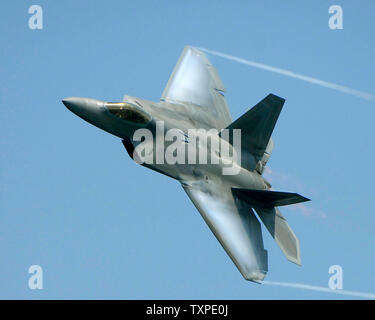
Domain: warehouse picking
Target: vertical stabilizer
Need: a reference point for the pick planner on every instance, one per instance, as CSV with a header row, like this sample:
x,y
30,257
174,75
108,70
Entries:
x,y
257,125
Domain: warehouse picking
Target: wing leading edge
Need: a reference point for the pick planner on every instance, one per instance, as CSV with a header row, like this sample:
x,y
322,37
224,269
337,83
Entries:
x,y
194,81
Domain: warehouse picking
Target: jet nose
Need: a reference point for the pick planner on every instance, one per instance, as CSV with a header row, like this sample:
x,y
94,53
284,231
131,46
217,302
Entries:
x,y
74,104
83,106
70,103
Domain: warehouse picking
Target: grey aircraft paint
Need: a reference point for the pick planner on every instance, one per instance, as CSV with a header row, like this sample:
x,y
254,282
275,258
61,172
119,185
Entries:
x,y
194,99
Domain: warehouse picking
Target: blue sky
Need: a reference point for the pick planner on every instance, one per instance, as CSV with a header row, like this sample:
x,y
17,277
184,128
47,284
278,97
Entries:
x,y
73,202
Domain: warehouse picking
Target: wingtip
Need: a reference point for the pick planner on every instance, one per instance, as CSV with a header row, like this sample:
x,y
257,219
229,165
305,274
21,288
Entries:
x,y
303,198
196,50
296,261
276,97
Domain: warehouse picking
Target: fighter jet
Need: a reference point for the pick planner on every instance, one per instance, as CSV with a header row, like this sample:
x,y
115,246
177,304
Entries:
x,y
230,203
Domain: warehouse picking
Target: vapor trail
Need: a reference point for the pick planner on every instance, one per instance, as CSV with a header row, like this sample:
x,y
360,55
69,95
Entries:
x,y
330,85
366,295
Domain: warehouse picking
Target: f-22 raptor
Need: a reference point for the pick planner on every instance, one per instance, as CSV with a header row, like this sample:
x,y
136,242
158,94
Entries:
x,y
194,99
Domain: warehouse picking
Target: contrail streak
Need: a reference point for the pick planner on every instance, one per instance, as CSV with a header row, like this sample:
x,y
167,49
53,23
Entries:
x,y
366,295
330,85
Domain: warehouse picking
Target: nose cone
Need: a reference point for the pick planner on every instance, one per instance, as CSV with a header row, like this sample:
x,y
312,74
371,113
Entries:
x,y
73,103
86,108
81,106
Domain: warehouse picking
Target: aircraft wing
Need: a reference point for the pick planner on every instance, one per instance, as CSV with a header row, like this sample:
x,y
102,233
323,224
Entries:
x,y
234,224
194,81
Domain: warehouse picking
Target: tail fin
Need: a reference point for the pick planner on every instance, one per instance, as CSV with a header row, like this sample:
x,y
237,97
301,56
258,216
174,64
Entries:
x,y
283,234
268,199
257,125
265,203
266,155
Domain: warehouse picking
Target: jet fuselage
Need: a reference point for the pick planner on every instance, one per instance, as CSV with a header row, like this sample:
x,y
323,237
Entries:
x,y
159,118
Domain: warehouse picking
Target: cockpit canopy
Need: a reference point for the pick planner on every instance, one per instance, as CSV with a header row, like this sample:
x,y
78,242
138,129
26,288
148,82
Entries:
x,y
129,112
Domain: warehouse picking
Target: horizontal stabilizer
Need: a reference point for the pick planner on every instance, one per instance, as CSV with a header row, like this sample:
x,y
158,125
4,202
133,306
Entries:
x,y
268,199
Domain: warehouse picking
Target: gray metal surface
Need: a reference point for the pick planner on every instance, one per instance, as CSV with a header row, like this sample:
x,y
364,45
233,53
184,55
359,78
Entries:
x,y
193,99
